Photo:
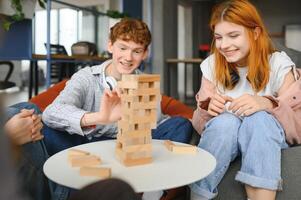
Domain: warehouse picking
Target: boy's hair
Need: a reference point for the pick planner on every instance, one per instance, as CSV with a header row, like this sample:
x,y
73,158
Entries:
x,y
131,30
242,12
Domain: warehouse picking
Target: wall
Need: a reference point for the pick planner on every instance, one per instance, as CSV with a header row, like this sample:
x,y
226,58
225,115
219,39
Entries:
x,y
278,13
164,33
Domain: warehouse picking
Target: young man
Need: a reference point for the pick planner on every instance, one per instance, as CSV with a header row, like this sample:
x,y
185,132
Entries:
x,y
87,110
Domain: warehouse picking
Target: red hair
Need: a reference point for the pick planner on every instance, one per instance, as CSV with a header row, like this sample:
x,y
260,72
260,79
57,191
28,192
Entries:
x,y
131,30
242,12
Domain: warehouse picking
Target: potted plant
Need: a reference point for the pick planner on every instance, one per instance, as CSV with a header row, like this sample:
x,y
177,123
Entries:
x,y
17,10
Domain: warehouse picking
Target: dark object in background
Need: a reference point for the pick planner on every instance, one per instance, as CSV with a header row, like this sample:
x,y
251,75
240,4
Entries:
x,y
84,48
60,70
6,83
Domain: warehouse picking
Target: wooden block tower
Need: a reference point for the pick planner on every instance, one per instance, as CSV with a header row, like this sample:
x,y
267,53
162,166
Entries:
x,y
140,98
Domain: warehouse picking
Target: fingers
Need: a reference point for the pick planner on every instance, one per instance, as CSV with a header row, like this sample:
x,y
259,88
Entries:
x,y
37,128
36,137
108,92
244,105
240,102
25,112
217,104
36,119
114,93
118,92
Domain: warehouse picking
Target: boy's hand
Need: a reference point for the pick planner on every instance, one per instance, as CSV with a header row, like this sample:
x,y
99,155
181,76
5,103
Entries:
x,y
248,104
217,104
110,109
24,127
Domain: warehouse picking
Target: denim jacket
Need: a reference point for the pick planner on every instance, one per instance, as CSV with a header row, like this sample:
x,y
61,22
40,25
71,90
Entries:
x,y
287,112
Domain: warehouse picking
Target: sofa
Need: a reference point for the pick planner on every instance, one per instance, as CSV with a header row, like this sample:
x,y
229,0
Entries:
x,y
229,189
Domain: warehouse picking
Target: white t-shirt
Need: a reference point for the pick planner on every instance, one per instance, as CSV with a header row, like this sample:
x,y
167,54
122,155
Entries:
x,y
280,65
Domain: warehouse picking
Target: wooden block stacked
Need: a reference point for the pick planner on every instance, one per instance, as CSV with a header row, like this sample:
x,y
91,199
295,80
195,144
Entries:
x,y
140,98
87,163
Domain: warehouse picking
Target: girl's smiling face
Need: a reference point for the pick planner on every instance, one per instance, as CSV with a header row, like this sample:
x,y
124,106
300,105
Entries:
x,y
232,41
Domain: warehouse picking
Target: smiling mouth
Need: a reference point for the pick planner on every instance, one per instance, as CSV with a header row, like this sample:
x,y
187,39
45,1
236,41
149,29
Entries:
x,y
126,64
230,53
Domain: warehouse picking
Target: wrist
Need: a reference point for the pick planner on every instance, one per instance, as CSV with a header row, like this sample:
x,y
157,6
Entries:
x,y
273,103
91,119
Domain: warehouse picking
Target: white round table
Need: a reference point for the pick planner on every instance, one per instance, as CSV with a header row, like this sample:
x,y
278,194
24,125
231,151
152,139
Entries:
x,y
168,170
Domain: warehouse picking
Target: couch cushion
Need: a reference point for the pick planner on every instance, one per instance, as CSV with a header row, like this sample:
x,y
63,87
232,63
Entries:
x,y
45,98
174,107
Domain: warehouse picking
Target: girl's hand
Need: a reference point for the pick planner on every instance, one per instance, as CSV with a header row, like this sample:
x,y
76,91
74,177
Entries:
x,y
217,104
247,104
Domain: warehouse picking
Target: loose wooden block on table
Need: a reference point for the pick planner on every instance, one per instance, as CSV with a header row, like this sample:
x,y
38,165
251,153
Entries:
x,y
77,152
87,160
180,149
184,149
101,172
168,144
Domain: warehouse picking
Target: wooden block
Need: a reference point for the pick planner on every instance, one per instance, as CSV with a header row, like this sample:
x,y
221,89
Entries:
x,y
149,91
129,108
184,149
128,139
134,119
141,77
128,84
101,172
134,148
139,155
168,144
149,78
77,152
87,160
128,126
140,161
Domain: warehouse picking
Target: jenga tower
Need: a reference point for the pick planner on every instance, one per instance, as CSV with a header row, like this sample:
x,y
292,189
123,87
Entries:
x,y
140,98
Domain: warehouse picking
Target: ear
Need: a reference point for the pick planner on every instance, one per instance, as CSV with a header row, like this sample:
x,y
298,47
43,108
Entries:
x,y
145,55
257,32
110,46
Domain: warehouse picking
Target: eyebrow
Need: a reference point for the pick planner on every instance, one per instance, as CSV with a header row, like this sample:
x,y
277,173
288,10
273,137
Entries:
x,y
135,49
228,33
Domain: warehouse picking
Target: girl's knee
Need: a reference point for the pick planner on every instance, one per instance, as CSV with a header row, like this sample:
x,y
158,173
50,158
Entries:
x,y
224,122
264,126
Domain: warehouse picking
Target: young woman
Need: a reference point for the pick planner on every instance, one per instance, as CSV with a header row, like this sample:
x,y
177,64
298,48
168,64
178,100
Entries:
x,y
241,81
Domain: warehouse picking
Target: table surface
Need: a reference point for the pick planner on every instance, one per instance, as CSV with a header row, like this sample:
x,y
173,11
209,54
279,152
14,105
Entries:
x,y
168,170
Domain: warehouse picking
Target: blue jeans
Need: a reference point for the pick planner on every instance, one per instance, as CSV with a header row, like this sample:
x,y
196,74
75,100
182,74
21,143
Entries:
x,y
30,165
257,138
175,128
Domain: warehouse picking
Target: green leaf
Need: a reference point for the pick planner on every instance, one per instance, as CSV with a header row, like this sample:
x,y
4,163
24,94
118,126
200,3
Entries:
x,y
42,3
6,25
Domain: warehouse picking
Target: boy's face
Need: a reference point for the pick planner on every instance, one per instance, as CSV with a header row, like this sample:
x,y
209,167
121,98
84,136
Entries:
x,y
126,55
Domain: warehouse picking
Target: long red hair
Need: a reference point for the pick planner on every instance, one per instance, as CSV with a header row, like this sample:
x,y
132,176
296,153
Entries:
x,y
242,12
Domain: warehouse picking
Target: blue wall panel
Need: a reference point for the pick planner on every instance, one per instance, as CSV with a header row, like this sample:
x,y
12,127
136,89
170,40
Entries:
x,y
16,44
133,8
